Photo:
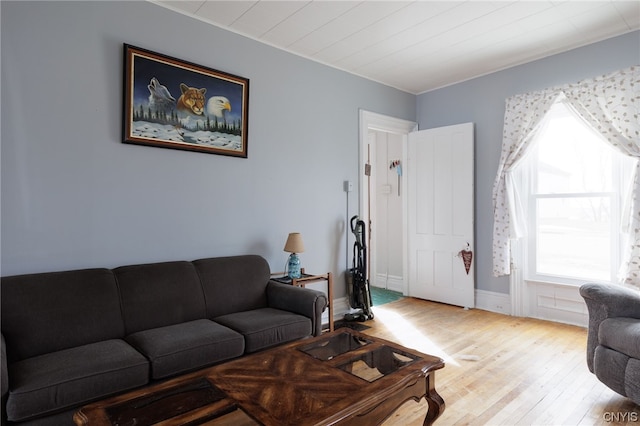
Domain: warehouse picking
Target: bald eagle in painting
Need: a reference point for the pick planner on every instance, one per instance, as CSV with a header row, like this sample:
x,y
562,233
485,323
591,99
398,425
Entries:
x,y
217,105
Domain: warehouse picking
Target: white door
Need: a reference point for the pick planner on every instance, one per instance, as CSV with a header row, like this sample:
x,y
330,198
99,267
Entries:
x,y
441,214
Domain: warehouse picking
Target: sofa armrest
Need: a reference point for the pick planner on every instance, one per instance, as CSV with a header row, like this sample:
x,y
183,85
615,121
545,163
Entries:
x,y
607,301
304,301
4,379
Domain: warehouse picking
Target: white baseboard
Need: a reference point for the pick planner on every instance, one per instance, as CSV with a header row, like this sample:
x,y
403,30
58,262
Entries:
x,y
493,302
393,282
340,307
500,303
485,300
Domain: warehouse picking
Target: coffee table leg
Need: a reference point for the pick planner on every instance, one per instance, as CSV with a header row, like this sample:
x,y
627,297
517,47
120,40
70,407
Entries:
x,y
435,401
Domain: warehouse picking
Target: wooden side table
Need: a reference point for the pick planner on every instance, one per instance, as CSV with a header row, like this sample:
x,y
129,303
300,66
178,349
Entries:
x,y
308,279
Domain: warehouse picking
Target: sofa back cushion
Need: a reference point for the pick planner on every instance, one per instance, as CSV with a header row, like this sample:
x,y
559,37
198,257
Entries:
x,y
234,283
159,294
48,312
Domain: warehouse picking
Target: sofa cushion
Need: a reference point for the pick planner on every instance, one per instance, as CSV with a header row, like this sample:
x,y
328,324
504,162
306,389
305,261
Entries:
x,y
621,334
234,283
267,327
182,347
51,382
159,294
49,312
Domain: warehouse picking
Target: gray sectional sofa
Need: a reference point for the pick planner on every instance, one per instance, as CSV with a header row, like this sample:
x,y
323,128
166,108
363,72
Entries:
x,y
72,337
613,340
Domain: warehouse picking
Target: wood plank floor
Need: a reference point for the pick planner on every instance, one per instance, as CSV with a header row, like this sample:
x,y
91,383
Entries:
x,y
501,370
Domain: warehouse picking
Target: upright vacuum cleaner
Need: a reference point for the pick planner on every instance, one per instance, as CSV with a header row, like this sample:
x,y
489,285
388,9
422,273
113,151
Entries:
x,y
357,281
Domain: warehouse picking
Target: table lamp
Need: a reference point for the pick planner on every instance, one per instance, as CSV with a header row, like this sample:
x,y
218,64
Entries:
x,y
294,245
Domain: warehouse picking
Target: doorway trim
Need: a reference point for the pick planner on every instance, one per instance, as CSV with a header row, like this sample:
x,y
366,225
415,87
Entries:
x,y
379,122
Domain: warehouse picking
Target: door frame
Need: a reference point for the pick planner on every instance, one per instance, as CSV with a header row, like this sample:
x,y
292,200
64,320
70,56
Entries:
x,y
373,121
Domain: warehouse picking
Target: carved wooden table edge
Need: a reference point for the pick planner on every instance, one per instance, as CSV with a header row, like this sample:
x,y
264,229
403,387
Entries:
x,y
378,413
435,402
384,399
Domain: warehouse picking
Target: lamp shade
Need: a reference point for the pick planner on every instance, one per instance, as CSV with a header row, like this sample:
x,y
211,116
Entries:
x,y
294,243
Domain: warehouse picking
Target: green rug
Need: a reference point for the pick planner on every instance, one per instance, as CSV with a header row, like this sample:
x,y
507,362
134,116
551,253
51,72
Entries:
x,y
380,296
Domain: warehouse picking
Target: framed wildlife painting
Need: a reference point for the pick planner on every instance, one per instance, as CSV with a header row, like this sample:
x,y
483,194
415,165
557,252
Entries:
x,y
175,104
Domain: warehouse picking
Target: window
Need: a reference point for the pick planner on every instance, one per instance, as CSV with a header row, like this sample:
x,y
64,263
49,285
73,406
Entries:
x,y
574,185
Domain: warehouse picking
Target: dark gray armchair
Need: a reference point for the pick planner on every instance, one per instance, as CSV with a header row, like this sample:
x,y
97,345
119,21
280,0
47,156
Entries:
x,y
613,342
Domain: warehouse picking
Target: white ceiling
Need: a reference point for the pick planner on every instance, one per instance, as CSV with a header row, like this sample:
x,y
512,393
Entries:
x,y
417,46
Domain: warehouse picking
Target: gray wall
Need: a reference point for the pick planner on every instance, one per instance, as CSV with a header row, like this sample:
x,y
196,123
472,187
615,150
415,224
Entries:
x,y
74,196
482,101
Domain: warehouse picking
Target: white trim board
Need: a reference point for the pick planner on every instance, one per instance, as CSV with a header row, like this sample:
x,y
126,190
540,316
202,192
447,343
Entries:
x,y
553,304
493,302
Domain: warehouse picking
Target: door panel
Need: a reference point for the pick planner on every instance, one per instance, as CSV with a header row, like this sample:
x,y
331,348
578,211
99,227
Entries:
x,y
441,214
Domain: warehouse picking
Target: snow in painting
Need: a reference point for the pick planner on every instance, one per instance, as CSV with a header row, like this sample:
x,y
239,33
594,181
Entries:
x,y
168,132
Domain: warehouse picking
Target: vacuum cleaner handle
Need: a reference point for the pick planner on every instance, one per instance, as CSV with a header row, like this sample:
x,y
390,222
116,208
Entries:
x,y
354,219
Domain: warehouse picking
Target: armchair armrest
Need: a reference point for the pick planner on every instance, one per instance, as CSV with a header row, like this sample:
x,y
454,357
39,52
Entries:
x,y
304,301
607,301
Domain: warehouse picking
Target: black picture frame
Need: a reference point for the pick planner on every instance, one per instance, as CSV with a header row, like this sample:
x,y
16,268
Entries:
x,y
171,103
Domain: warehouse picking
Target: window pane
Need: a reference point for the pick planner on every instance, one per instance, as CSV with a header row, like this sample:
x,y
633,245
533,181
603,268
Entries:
x,y
574,183
574,237
572,158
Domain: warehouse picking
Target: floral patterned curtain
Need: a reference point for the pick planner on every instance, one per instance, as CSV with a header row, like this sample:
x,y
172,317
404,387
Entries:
x,y
610,104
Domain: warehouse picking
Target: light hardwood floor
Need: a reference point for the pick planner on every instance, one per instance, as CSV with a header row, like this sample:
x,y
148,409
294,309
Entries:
x,y
501,370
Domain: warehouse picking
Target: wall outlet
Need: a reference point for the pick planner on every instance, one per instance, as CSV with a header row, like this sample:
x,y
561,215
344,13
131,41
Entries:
x,y
348,186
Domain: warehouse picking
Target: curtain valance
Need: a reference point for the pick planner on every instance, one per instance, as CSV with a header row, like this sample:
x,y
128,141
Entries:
x,y
610,104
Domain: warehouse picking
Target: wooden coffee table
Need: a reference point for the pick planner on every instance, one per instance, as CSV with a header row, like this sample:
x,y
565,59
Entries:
x,y
342,377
